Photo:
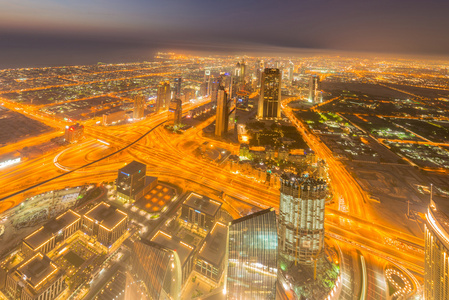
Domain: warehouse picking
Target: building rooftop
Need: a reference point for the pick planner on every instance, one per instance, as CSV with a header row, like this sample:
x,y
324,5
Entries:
x,y
174,243
133,167
38,270
46,232
203,204
106,215
214,246
253,215
156,198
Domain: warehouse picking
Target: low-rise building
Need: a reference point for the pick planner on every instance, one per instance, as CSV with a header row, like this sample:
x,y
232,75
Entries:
x,y
106,223
200,211
210,259
37,278
48,236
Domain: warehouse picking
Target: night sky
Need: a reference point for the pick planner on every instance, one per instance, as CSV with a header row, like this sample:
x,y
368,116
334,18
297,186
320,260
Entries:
x,y
86,31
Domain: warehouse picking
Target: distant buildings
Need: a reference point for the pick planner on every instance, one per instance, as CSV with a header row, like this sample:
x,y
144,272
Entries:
x,y
314,89
240,71
301,218
269,107
222,113
112,118
163,96
252,257
436,237
159,268
139,107
37,278
175,112
74,133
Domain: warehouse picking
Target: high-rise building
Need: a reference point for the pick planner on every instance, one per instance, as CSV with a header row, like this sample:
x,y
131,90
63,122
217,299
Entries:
x,y
301,218
252,256
213,89
240,71
159,268
74,133
314,86
436,276
130,181
163,96
178,84
175,112
269,106
139,107
291,69
221,120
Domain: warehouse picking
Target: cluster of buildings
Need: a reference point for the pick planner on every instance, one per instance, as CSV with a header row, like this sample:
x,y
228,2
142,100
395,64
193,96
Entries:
x,y
36,274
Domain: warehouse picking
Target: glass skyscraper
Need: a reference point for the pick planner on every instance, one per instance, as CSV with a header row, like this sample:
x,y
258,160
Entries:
x,y
436,277
252,252
269,106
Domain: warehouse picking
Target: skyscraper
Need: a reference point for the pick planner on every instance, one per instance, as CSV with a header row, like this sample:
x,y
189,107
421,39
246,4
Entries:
x,y
213,89
175,112
159,268
269,106
291,69
436,258
252,251
240,71
139,107
221,120
314,86
178,83
163,96
301,218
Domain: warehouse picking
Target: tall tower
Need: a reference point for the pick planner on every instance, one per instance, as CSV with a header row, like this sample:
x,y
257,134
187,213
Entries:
x,y
163,96
221,120
291,69
269,106
436,237
175,112
213,90
139,107
158,268
178,83
314,87
301,218
252,256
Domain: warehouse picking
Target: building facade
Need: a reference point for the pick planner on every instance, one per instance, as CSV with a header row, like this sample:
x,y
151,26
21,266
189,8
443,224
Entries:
x,y
301,218
131,181
175,112
163,96
159,268
74,133
139,107
314,87
436,258
269,107
222,113
252,256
